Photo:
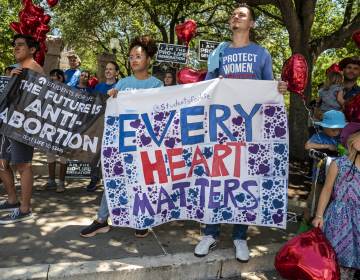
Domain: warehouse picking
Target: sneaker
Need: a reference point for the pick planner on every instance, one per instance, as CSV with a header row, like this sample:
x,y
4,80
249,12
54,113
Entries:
x,y
92,186
95,228
141,233
241,250
6,206
60,188
16,216
206,244
50,185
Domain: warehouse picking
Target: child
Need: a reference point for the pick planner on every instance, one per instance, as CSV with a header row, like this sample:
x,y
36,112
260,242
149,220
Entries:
x,y
325,141
341,223
329,92
142,50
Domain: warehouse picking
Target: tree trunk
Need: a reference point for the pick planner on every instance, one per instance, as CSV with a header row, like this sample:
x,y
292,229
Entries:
x,y
298,120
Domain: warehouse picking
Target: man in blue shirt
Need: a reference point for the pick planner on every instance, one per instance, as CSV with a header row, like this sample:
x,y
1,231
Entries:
x,y
351,71
72,75
238,59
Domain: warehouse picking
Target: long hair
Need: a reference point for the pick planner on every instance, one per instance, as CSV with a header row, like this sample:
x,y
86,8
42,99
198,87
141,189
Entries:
x,y
353,154
333,78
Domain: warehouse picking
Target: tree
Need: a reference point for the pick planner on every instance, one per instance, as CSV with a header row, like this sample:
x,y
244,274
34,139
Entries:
x,y
8,13
310,34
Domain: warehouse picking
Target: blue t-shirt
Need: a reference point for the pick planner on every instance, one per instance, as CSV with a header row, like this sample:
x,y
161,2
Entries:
x,y
72,77
103,87
322,138
130,83
250,62
83,89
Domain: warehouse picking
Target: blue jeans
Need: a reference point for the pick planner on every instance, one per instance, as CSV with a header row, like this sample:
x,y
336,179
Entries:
x,y
239,231
103,212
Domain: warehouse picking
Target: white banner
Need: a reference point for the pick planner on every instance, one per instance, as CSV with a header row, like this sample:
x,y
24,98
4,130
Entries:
x,y
214,152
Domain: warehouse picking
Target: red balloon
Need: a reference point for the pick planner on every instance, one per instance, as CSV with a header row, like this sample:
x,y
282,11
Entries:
x,y
356,38
52,3
15,26
40,33
186,31
40,57
188,75
295,73
308,256
33,9
93,81
20,28
352,109
46,19
333,68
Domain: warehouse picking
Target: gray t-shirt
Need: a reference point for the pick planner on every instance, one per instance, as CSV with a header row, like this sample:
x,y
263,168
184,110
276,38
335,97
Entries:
x,y
328,98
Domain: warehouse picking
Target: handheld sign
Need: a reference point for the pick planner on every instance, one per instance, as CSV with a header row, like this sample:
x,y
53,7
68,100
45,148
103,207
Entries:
x,y
206,48
77,169
171,53
3,83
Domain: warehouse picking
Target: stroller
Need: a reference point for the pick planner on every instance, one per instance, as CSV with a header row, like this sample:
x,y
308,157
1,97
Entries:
x,y
322,160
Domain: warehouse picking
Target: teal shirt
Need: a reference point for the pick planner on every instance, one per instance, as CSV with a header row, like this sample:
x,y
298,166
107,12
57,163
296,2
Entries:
x,y
131,83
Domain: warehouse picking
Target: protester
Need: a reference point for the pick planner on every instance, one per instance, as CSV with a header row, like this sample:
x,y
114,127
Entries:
x,y
341,223
221,64
111,73
56,75
72,75
169,79
142,50
325,141
351,71
327,99
83,82
21,154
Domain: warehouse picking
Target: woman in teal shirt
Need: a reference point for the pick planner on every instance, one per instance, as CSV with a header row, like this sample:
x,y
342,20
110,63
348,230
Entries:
x,y
142,50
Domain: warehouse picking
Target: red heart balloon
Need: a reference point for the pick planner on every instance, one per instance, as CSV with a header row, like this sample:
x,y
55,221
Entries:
x,y
32,9
333,68
20,28
352,109
15,26
356,37
188,75
186,31
40,57
93,81
308,256
40,33
295,73
52,3
46,19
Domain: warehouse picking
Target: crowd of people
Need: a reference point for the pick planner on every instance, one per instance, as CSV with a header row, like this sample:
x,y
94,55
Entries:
x,y
341,220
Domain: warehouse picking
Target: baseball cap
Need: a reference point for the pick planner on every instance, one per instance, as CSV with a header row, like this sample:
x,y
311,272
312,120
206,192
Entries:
x,y
349,60
350,128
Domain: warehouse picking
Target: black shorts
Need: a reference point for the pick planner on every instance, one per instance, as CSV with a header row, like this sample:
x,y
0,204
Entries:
x,y
5,148
21,153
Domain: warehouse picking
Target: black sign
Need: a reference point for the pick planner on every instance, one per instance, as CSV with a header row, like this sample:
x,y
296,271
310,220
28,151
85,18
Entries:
x,y
172,53
206,48
4,80
76,169
52,116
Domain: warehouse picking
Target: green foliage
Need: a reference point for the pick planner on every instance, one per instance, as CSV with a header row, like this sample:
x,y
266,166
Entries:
x,y
8,13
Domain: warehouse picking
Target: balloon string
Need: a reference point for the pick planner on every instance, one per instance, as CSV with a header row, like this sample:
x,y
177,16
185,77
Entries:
x,y
311,119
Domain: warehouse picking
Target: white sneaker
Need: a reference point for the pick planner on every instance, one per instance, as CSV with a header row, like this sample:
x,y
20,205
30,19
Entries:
x,y
204,246
241,250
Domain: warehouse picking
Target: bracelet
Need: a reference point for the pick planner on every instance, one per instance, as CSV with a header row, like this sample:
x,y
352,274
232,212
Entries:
x,y
319,217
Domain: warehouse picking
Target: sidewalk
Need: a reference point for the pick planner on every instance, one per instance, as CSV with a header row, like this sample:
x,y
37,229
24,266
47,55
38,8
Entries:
x,y
50,247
